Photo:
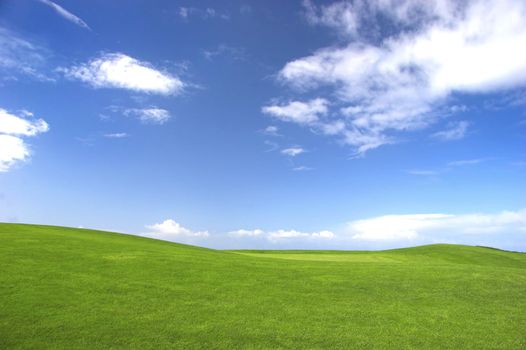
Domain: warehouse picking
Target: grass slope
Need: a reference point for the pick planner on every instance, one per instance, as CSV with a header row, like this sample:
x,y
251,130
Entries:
x,y
64,288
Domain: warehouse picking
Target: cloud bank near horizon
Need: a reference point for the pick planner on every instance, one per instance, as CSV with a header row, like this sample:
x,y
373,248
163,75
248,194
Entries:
x,y
387,231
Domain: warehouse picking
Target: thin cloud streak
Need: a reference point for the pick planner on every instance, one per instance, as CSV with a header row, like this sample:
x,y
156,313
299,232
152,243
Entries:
x,y
66,14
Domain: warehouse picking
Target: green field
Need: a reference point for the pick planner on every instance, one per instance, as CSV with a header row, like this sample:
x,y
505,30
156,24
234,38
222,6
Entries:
x,y
63,288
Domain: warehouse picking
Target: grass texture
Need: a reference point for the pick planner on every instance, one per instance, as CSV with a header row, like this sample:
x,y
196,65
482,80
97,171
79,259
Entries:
x,y
65,288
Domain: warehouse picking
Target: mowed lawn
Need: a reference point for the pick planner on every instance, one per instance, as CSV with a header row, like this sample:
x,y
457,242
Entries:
x,y
64,288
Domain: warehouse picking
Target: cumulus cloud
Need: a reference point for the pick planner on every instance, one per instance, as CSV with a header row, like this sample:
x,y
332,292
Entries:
x,y
171,230
151,115
19,125
66,14
246,233
293,234
12,150
282,235
502,229
117,70
393,75
13,130
297,111
292,151
410,227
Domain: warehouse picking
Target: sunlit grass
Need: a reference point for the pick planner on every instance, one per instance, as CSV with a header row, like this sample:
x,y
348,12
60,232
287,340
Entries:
x,y
63,288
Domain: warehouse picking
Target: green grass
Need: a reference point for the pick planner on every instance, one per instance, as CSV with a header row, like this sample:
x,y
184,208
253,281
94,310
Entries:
x,y
64,288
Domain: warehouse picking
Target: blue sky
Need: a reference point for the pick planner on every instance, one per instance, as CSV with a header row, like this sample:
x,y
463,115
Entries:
x,y
275,124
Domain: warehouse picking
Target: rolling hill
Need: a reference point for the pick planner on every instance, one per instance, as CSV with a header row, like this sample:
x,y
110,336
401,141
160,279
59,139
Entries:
x,y
65,288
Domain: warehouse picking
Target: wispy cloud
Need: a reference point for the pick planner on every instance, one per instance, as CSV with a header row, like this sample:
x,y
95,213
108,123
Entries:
x,y
19,56
413,226
272,146
152,115
465,162
423,172
13,129
66,14
118,135
207,13
117,70
507,99
454,131
302,168
450,166
271,130
234,53
381,83
292,151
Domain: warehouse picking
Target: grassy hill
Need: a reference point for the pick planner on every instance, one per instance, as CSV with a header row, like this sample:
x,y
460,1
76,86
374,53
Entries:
x,y
64,288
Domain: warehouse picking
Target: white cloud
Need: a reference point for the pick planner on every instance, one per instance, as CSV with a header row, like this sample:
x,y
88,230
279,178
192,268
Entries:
x,y
278,235
117,70
246,233
282,235
13,148
455,131
388,81
117,135
410,227
15,125
293,151
388,231
298,112
171,230
66,14
152,115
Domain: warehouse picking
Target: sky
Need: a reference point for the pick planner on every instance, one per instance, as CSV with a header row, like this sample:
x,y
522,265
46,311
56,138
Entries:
x,y
267,124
